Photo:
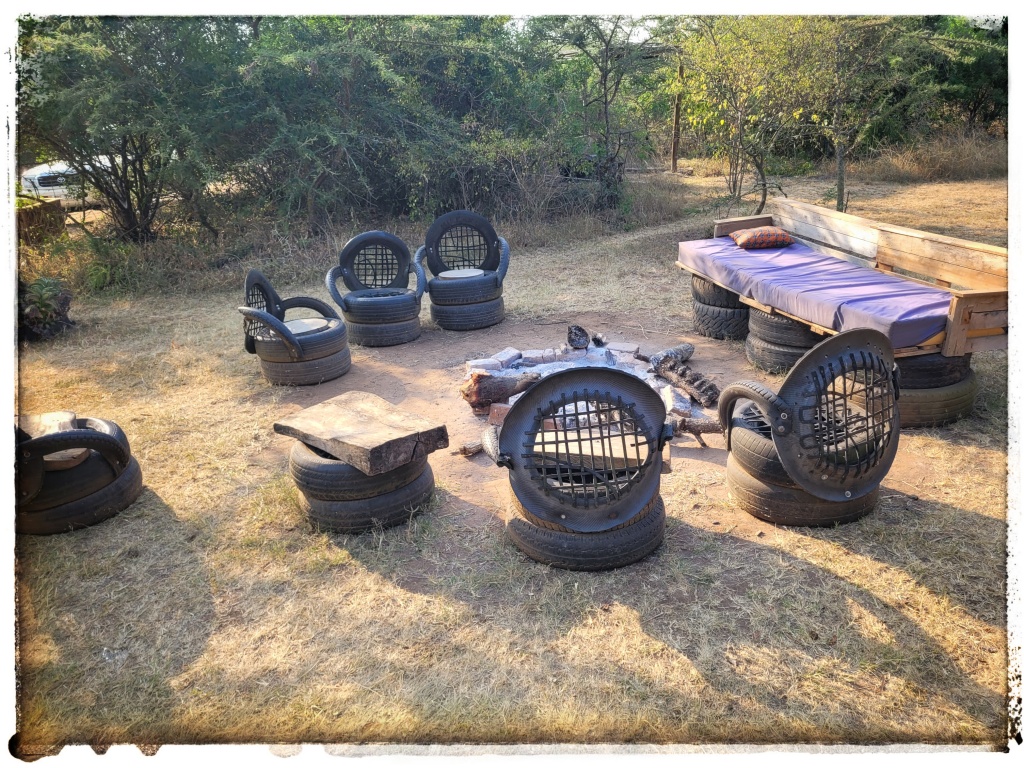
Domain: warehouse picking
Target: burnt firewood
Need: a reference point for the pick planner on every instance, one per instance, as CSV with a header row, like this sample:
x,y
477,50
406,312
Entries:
x,y
580,338
698,427
678,354
482,389
694,384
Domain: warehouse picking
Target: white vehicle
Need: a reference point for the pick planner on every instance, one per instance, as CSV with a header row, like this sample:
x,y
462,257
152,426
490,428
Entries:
x,y
58,180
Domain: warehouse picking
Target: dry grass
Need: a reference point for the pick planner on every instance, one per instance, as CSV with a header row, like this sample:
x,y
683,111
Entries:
x,y
952,156
209,611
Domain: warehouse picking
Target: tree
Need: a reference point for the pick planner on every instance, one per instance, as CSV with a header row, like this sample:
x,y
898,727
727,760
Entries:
x,y
744,88
119,99
604,59
862,70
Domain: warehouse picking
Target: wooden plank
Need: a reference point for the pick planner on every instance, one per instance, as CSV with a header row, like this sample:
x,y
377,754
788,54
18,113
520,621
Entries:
x,y
914,351
954,243
724,226
989,320
956,328
842,231
987,343
960,262
830,251
366,431
37,425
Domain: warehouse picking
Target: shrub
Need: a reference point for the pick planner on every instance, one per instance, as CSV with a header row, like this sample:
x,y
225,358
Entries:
x,y
43,308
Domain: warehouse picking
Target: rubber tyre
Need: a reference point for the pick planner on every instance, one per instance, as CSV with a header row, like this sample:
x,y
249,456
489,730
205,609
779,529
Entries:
x,y
469,317
466,290
707,292
305,372
933,371
86,511
519,509
790,506
752,447
385,334
779,329
937,406
381,305
719,322
384,511
774,358
590,551
67,485
315,346
461,219
321,476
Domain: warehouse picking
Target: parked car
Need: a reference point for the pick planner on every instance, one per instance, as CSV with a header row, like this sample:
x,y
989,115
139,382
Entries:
x,y
58,180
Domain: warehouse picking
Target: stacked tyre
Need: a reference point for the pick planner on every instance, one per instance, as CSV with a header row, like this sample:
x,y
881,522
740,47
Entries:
x,y
717,312
55,497
759,484
466,302
776,342
935,390
562,547
325,353
382,317
339,498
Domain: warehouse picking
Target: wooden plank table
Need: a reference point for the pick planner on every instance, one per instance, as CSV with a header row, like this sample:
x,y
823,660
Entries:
x,y
366,431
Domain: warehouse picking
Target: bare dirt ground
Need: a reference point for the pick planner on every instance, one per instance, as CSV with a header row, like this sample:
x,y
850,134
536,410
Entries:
x,y
210,611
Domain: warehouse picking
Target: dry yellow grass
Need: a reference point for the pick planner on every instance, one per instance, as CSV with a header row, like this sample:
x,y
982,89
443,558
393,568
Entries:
x,y
210,611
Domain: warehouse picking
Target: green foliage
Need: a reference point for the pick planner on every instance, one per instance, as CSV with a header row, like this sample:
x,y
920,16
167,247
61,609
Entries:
x,y
43,308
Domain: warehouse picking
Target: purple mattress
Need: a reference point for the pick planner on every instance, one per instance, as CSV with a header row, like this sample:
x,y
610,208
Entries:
x,y
821,289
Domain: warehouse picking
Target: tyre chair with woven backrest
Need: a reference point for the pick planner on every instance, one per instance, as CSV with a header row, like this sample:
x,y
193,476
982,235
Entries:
x,y
73,478
816,452
468,261
380,309
307,350
583,448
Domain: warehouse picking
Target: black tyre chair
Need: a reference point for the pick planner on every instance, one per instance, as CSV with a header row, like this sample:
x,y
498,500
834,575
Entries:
x,y
298,351
815,453
583,448
380,309
468,261
52,497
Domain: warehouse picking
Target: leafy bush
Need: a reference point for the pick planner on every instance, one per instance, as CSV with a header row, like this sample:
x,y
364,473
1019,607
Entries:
x,y
43,308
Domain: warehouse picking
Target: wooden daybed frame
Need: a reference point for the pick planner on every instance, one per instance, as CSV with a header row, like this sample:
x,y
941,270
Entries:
x,y
974,274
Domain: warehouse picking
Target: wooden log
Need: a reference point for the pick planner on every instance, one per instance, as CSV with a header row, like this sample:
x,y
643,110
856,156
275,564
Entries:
x,y
471,448
482,389
366,431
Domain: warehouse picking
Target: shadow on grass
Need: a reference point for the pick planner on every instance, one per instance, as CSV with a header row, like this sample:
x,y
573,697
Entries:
x,y
107,617
714,638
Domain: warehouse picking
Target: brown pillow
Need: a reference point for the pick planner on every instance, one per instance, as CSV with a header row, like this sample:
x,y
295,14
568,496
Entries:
x,y
761,237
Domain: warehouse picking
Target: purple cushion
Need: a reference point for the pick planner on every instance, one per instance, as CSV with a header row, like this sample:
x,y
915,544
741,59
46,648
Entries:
x,y
821,289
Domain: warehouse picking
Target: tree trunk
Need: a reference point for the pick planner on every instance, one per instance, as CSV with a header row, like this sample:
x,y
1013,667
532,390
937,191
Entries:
x,y
762,179
675,122
840,175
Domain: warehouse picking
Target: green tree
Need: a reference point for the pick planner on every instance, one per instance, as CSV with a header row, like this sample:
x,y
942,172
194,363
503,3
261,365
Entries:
x,y
608,63
862,71
743,87
122,100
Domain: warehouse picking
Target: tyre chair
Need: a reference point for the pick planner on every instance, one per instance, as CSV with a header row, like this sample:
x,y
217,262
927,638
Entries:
x,y
293,352
380,309
815,453
468,261
73,478
583,448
